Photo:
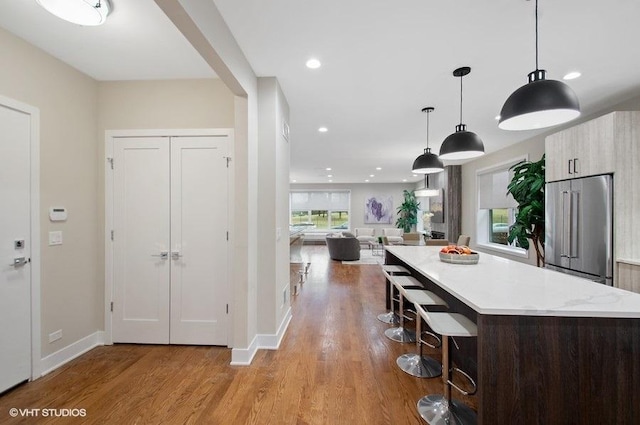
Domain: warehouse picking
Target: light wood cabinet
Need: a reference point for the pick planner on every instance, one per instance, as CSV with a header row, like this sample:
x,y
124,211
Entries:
x,y
626,204
587,149
628,276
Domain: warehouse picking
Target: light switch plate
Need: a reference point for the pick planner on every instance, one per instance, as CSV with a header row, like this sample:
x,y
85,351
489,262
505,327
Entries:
x,y
55,238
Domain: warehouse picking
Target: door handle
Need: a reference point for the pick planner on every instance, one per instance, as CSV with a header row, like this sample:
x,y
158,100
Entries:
x,y
19,261
175,255
570,161
163,255
575,165
566,224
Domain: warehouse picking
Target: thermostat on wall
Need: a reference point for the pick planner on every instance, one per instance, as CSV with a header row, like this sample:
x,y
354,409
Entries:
x,y
57,213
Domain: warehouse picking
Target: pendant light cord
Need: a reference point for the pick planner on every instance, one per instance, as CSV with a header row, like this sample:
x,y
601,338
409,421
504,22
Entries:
x,y
428,129
537,35
460,99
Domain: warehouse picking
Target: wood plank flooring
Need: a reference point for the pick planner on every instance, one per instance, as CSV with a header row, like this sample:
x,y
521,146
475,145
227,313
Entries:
x,y
334,366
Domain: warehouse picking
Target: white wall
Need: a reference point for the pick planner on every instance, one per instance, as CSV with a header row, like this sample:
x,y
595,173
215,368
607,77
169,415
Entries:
x,y
71,284
273,201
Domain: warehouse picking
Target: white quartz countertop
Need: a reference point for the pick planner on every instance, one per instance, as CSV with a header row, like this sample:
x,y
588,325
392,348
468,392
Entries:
x,y
504,287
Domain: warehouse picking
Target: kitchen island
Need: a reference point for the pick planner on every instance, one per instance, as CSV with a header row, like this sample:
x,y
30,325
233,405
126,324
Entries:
x,y
551,348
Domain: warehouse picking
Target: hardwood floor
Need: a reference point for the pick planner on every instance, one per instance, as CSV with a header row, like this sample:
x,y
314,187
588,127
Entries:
x,y
334,366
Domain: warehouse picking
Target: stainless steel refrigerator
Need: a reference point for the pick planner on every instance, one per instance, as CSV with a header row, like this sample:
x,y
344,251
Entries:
x,y
579,227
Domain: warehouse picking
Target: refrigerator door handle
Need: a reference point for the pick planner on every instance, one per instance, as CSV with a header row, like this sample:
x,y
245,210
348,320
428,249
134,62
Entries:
x,y
574,205
566,224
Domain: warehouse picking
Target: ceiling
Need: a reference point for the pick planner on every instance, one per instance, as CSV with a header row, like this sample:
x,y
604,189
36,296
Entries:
x,y
382,62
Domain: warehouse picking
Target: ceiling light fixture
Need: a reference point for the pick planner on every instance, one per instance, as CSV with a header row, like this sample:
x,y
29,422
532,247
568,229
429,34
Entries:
x,y
426,192
540,103
572,75
323,129
313,64
428,162
80,12
462,144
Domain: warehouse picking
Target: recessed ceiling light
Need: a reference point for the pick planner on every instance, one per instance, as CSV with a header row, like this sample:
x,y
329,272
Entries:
x,y
323,129
404,180
366,181
294,181
378,168
330,181
329,175
497,117
572,75
371,175
313,63
328,168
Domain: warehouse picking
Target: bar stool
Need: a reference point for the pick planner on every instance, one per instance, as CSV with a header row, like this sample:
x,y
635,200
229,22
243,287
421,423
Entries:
x,y
441,409
401,334
391,317
415,364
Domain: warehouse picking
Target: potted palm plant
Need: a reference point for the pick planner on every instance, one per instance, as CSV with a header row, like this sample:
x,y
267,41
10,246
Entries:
x,y
408,212
527,188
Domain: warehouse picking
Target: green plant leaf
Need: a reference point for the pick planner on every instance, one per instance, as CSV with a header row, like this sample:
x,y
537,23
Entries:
x,y
527,189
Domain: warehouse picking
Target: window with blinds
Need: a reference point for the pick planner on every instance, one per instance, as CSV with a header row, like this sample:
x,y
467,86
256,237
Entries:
x,y
320,210
496,207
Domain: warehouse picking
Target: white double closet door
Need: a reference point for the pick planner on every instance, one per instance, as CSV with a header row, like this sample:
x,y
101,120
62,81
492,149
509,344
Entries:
x,y
170,240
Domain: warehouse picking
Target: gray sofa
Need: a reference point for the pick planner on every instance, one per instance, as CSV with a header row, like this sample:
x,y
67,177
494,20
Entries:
x,y
345,248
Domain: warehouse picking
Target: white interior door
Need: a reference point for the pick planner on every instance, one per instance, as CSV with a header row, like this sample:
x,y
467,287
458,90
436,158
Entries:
x,y
199,240
15,237
170,250
141,240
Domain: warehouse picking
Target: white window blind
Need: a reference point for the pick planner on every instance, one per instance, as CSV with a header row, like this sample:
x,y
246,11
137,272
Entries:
x,y
492,190
320,200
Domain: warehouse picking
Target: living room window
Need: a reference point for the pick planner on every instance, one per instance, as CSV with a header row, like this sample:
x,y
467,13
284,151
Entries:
x,y
496,209
320,210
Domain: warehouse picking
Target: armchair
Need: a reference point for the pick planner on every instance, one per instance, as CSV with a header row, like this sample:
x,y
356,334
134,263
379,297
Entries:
x,y
394,235
365,235
343,248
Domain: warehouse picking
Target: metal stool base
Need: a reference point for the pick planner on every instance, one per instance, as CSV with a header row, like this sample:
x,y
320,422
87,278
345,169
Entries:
x,y
434,409
389,318
400,335
420,367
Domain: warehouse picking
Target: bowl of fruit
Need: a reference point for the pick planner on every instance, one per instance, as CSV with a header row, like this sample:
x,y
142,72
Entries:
x,y
456,254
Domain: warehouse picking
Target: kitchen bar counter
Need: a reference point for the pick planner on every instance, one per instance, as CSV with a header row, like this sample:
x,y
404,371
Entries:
x,y
504,287
551,348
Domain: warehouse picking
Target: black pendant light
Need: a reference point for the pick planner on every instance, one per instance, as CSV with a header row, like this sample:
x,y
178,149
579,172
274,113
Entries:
x,y
539,104
426,191
462,144
427,163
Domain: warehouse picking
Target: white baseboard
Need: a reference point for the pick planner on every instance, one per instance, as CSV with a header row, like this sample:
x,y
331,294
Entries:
x,y
53,361
244,356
